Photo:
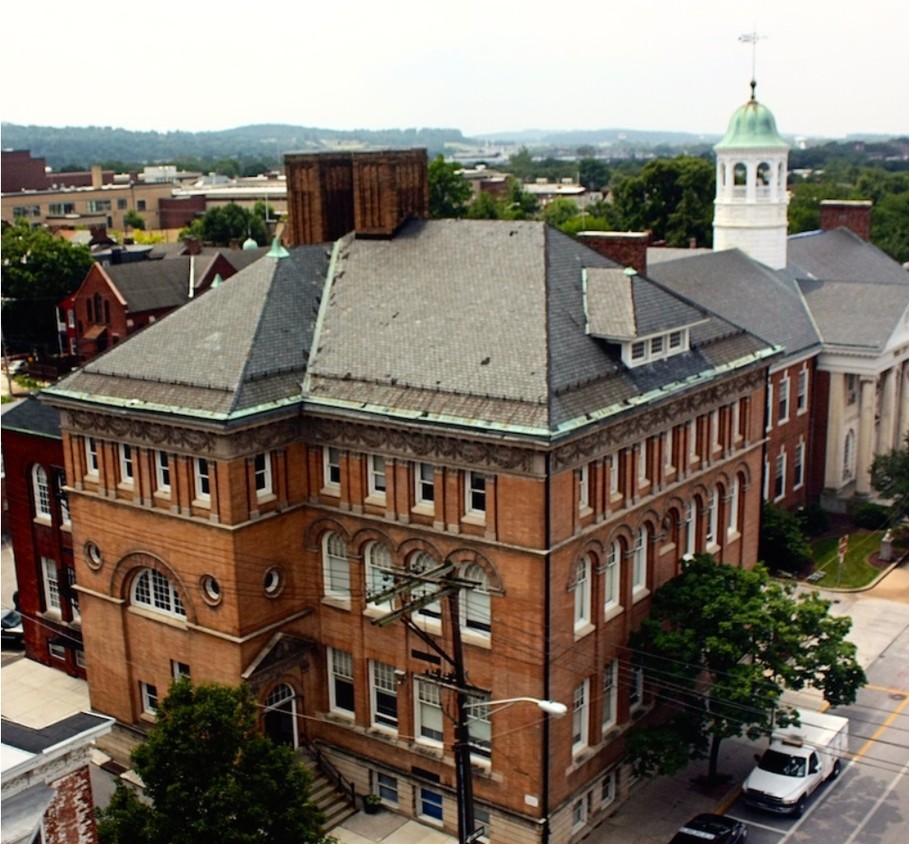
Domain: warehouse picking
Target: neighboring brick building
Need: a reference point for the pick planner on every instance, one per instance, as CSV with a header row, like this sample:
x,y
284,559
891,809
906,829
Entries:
x,y
489,399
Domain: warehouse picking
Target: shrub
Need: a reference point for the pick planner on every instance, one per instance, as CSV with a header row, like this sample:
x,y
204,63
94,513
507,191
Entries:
x,y
783,545
814,519
871,516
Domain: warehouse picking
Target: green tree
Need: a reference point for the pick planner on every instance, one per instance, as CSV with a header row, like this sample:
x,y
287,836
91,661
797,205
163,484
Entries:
x,y
593,173
449,191
211,775
225,223
721,671
560,211
484,207
39,270
783,544
890,477
132,219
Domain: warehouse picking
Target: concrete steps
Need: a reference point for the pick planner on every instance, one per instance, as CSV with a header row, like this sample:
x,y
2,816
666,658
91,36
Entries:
x,y
334,806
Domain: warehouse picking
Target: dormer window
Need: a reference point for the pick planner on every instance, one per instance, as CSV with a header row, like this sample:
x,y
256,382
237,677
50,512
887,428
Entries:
x,y
655,347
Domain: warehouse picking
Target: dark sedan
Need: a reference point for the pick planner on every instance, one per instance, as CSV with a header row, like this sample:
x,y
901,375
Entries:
x,y
715,828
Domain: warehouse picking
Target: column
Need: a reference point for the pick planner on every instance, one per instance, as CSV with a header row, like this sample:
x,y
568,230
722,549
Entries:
x,y
866,436
833,463
887,439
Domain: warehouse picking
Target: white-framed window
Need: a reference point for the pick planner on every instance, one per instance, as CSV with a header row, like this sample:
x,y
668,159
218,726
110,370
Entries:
x,y
429,724
614,473
779,478
202,478
91,457
375,472
584,488
798,466
56,651
154,591
420,563
768,412
636,693
581,587
608,790
783,400
578,814
714,429
41,492
331,469
692,440
262,469
386,786
162,471
149,695
125,451
80,658
766,489
668,450
640,459
384,689
52,601
477,602
732,521
611,576
801,396
849,455
639,563
430,805
378,572
341,681
691,533
610,694
179,670
70,573
335,566
479,728
424,484
736,420
638,351
579,717
713,508
655,347
475,493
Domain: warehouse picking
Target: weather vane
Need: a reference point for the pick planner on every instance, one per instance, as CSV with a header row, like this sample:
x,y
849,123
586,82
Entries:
x,y
752,38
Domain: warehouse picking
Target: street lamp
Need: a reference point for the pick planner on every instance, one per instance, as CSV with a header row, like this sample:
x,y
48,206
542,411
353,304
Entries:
x,y
463,770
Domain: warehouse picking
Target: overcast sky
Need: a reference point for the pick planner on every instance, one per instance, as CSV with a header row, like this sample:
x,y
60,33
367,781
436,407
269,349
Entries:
x,y
489,67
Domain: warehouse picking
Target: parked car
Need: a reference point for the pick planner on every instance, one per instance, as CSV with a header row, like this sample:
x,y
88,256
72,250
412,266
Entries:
x,y
12,627
716,828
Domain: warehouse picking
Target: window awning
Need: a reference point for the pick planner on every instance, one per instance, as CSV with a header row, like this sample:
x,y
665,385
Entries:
x,y
94,332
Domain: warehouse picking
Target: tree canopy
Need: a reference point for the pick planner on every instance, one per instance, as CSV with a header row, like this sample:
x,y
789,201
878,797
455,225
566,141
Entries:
x,y
211,775
720,671
890,477
449,191
39,270
225,223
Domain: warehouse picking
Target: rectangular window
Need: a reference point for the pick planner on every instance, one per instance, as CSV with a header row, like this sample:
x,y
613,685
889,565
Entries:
x,y
479,728
715,440
579,717
798,468
341,682
610,694
263,474
162,471
607,790
384,695
331,469
638,350
429,712
126,463
779,480
386,787
640,459
56,651
376,475
578,815
203,479
766,489
636,694
611,576
121,204
430,804
656,346
140,205
801,400
72,594
424,483
668,451
179,670
91,456
614,473
783,400
675,340
769,409
733,507
475,493
692,441
51,585
639,562
712,511
149,698
80,657
584,488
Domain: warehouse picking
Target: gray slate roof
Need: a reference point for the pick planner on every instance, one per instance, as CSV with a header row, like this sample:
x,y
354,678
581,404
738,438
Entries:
x,y
30,416
745,292
34,740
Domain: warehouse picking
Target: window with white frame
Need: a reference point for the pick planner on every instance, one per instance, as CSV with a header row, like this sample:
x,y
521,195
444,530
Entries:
x,y
420,563
149,695
668,450
713,508
639,563
580,703
341,681
262,470
584,488
424,484
476,601
608,790
736,420
614,473
640,459
60,493
655,347
801,396
766,487
154,591
849,455
692,440
714,423
71,592
41,492
375,473
429,724
384,695
578,814
91,456
479,728
475,493
581,587
782,408
125,451
636,693
202,478
386,786
611,576
56,651
691,533
335,566
52,601
378,572
610,694
779,479
179,670
798,465
162,472
430,805
331,469
768,411
732,521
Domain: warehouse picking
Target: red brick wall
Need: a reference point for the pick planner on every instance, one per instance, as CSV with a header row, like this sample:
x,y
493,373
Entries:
x,y
855,216
626,248
70,818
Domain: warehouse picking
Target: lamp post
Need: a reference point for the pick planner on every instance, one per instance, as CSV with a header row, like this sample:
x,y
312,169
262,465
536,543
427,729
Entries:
x,y
463,771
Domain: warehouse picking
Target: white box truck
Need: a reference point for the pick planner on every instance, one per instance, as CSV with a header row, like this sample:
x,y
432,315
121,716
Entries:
x,y
798,760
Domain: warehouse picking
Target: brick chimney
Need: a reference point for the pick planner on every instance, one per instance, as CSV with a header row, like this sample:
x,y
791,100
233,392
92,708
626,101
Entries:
x,y
97,176
854,215
626,248
191,246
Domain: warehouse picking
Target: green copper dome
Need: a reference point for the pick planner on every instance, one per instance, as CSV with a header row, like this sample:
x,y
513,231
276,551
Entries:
x,y
752,125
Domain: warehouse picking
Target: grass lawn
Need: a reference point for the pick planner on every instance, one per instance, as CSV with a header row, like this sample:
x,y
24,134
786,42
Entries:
x,y
856,571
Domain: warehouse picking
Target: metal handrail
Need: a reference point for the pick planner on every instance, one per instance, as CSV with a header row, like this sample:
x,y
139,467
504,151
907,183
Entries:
x,y
330,771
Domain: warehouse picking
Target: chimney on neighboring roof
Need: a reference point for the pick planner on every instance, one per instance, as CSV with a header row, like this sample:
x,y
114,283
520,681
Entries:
x,y
97,176
626,248
192,246
854,215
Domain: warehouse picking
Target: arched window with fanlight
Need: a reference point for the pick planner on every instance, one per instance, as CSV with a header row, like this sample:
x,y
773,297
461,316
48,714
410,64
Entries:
x,y
153,590
378,573
849,456
419,564
335,566
476,604
581,588
41,491
280,719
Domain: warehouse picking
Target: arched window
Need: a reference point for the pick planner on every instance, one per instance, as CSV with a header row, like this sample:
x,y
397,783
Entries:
x,y
280,715
581,586
639,566
335,566
476,607
849,456
732,522
740,175
612,576
420,563
41,491
153,590
378,572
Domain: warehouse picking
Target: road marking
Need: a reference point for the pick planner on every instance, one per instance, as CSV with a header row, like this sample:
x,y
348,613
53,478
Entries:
x,y
879,731
877,804
757,825
886,689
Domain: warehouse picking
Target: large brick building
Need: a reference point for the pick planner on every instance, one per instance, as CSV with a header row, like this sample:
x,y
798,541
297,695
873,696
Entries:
x,y
487,400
